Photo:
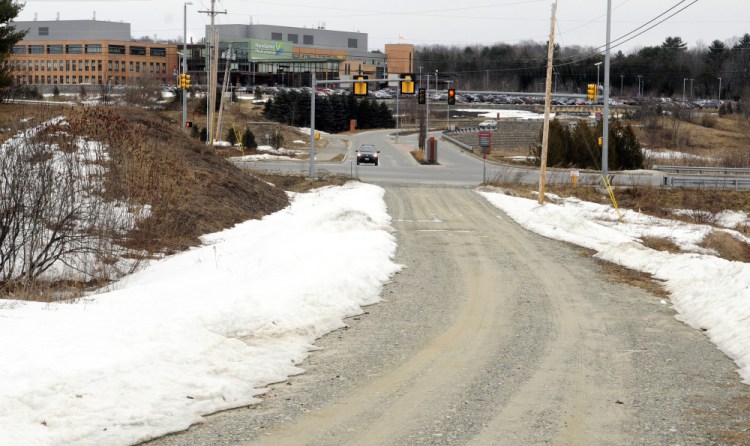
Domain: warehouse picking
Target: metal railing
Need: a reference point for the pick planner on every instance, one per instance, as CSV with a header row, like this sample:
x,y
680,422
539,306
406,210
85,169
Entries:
x,y
700,169
722,182
457,142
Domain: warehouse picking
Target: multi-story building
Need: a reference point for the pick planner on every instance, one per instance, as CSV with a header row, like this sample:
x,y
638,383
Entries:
x,y
91,52
283,55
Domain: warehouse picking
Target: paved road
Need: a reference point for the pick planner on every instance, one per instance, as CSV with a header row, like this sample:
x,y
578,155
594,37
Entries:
x,y
455,167
492,335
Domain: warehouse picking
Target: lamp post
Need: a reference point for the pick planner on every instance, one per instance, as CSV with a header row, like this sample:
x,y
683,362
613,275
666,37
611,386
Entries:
x,y
692,96
719,89
684,79
184,64
598,64
639,85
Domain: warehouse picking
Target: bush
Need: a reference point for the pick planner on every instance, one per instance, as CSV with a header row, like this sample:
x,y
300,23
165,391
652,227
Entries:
x,y
579,147
248,140
708,121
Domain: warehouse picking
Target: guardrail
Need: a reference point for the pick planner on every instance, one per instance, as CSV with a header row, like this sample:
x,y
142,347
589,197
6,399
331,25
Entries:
x,y
457,142
699,169
722,182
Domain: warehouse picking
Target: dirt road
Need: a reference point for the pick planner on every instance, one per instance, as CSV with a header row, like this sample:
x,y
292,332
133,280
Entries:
x,y
495,336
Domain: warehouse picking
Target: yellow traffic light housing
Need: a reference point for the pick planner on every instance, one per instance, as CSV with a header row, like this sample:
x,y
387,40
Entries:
x,y
186,81
422,96
407,84
591,91
360,88
181,81
451,96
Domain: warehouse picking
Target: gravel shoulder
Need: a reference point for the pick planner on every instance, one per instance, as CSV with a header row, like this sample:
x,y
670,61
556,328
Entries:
x,y
492,335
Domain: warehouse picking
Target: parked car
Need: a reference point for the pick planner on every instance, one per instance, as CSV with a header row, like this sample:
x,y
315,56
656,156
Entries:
x,y
367,154
489,124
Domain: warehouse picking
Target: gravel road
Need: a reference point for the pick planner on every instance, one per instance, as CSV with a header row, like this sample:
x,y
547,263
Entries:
x,y
492,335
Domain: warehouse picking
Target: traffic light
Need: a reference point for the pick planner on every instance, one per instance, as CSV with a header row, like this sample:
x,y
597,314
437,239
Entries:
x,y
188,124
360,88
407,84
591,92
422,96
181,81
186,78
451,96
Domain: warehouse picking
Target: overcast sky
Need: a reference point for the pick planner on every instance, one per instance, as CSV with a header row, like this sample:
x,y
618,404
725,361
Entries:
x,y
421,22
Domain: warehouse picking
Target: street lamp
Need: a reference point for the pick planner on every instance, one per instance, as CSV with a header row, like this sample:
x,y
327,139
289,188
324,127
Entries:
x,y
598,64
184,63
684,79
719,89
640,92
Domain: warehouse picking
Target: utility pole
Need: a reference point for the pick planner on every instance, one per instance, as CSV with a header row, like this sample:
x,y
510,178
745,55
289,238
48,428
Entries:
x,y
212,73
605,129
547,99
719,89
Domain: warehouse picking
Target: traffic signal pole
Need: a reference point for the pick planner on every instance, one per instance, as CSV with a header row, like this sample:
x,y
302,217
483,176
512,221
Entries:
x,y
184,66
314,84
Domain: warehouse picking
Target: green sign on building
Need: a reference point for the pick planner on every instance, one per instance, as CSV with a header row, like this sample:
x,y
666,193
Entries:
x,y
269,49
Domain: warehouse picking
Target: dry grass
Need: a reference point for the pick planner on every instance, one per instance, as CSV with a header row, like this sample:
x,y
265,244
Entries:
x,y
720,141
631,277
190,189
727,247
300,183
661,244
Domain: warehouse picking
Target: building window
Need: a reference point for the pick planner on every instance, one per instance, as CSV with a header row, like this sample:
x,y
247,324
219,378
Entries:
x,y
80,65
159,52
74,49
36,49
94,48
294,38
150,67
54,64
87,65
276,36
116,49
44,31
137,67
352,43
19,49
308,40
131,66
36,65
137,50
54,49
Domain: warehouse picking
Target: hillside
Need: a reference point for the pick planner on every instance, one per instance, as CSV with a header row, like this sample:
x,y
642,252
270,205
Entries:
x,y
143,161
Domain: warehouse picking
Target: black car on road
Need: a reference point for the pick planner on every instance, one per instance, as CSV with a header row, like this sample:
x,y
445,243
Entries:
x,y
367,154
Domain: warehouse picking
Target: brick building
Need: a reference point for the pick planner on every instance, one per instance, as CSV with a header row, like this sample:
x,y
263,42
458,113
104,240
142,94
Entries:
x,y
87,52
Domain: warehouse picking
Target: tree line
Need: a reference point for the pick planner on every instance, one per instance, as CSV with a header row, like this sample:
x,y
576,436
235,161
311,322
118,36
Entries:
x,y
662,70
332,113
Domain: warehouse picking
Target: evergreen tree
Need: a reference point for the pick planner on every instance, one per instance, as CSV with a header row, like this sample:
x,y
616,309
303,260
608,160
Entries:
x,y
248,140
231,137
8,38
